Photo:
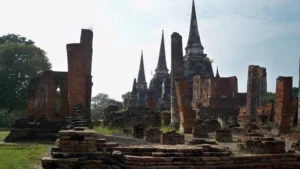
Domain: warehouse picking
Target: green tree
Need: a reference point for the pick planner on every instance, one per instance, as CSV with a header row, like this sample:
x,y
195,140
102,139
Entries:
x,y
100,102
20,60
295,91
271,97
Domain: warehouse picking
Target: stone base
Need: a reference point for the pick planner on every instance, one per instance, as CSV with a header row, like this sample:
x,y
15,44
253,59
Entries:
x,y
172,138
200,132
260,145
224,135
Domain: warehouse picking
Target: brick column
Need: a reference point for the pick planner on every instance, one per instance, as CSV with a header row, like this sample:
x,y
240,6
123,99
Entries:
x,y
86,39
184,105
77,75
256,90
283,103
176,71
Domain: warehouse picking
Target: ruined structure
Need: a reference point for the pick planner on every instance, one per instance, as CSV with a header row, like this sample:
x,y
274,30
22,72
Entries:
x,y
283,104
186,113
133,96
217,95
160,83
48,94
141,84
195,61
53,96
256,93
260,145
265,114
130,117
177,68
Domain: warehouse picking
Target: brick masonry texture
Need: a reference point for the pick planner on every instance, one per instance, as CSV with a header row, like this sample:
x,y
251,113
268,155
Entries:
x,y
186,113
256,90
283,103
42,96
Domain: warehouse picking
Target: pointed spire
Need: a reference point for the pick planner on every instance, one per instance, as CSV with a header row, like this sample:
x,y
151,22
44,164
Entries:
x,y
217,74
162,65
194,37
134,90
141,76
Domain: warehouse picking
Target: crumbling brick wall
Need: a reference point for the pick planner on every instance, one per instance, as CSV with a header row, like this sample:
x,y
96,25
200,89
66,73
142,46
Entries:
x,y
283,103
265,114
221,92
256,90
42,97
186,113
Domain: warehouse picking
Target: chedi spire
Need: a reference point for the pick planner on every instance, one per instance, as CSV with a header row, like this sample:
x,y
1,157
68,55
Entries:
x,y
194,44
141,76
162,65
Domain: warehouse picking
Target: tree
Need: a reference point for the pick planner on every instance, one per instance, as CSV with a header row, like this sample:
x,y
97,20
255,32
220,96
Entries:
x,y
20,60
100,102
295,91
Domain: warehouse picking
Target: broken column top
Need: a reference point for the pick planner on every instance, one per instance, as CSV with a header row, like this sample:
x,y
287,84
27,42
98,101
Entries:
x,y
281,78
259,71
86,36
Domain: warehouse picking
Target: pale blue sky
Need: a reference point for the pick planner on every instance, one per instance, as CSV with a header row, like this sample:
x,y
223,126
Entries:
x,y
234,33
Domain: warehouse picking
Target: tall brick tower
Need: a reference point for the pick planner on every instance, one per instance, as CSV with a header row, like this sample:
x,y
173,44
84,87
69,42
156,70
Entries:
x,y
79,74
283,103
256,90
177,69
141,84
195,61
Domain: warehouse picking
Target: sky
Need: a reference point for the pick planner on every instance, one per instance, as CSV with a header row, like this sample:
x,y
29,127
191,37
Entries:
x,y
234,33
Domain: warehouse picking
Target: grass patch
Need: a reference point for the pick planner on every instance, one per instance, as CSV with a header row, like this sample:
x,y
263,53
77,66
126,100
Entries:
x,y
165,129
22,156
3,134
104,130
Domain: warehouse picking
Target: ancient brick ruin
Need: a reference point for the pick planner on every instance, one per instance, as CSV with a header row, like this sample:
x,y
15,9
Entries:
x,y
216,96
53,96
283,104
186,113
256,93
190,98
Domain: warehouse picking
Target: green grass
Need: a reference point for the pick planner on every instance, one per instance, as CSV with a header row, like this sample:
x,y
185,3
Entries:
x,y
22,156
3,134
103,130
165,129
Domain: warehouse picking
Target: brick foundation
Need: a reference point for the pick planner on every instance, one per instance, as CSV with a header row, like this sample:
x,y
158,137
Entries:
x,y
172,138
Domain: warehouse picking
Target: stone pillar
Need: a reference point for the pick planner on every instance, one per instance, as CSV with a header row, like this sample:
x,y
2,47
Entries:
x,y
77,75
176,71
283,103
184,106
86,39
256,90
